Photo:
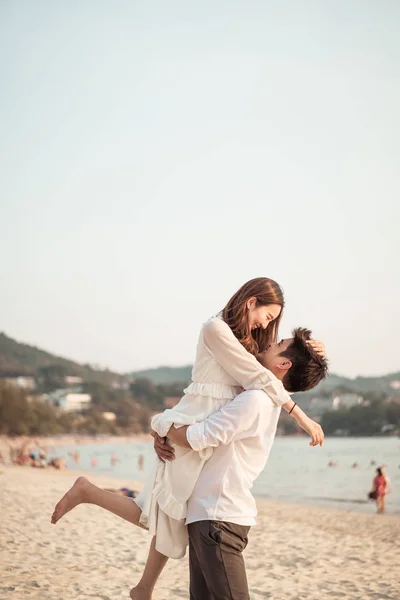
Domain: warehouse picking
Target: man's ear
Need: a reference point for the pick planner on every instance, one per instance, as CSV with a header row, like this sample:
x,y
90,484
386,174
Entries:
x,y
284,364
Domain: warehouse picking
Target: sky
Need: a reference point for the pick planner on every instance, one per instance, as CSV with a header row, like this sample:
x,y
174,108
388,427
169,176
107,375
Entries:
x,y
156,155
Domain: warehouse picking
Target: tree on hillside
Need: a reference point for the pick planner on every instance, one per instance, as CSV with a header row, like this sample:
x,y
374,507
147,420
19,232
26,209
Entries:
x,y
172,389
93,422
361,419
131,415
147,392
20,415
102,396
52,377
14,409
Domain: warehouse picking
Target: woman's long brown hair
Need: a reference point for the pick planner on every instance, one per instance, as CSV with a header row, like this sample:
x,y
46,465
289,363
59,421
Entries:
x,y
236,314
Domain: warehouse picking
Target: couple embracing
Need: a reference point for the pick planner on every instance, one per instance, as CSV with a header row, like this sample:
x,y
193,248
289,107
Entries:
x,y
215,442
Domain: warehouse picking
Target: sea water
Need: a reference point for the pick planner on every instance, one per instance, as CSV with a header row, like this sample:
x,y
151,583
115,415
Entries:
x,y
295,472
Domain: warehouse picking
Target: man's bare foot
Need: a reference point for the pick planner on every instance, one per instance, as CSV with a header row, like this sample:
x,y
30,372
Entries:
x,y
76,495
138,593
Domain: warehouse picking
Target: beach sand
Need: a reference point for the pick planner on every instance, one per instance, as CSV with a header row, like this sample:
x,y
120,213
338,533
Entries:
x,y
294,552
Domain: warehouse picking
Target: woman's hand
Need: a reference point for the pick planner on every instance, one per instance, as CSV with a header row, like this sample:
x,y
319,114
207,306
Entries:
x,y
314,430
318,347
163,450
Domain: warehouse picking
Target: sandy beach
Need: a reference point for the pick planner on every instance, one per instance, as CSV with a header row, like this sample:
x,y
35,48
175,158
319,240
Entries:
x,y
294,552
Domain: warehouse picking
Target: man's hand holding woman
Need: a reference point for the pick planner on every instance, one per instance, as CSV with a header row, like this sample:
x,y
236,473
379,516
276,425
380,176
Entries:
x,y
163,450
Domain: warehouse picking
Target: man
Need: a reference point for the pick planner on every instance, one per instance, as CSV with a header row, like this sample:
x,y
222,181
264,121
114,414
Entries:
x,y
222,509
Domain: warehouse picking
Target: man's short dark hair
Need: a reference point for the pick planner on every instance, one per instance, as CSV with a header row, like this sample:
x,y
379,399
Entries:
x,y
308,368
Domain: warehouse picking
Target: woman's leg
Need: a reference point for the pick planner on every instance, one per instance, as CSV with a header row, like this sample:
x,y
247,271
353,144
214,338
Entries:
x,y
84,492
152,571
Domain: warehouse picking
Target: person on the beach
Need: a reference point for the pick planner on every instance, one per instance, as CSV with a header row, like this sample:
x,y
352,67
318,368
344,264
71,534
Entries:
x,y
225,365
58,463
387,478
221,509
114,459
123,492
39,462
379,491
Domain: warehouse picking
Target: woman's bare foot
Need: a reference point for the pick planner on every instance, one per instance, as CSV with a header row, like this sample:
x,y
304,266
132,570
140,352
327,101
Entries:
x,y
138,593
76,495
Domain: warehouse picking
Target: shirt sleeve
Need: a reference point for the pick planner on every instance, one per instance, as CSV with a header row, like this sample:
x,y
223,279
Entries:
x,y
237,419
240,364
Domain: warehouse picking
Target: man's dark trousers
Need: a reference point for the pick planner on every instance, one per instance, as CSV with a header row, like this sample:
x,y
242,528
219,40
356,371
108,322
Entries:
x,y
217,570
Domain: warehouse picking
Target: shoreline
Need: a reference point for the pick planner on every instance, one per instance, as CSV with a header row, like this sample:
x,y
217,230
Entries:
x,y
56,441
115,481
294,552
342,489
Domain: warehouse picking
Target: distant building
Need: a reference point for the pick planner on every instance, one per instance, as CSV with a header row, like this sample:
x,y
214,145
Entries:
x,y
73,380
38,398
69,400
171,401
395,385
320,405
346,401
388,429
19,379
120,385
109,416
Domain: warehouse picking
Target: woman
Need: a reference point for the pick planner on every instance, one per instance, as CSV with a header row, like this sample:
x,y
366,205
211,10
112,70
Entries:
x,y
225,364
379,490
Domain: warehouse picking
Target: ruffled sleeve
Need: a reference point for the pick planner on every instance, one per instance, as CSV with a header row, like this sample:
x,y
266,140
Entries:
x,y
227,351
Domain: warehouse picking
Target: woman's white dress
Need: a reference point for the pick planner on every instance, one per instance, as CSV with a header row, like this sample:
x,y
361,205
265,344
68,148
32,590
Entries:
x,y
223,368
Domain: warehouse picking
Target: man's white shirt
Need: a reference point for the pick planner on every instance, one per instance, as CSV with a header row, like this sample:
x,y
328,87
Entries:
x,y
242,434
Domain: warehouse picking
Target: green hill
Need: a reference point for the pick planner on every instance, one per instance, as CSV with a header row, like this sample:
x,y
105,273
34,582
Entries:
x,y
165,375
16,356
359,385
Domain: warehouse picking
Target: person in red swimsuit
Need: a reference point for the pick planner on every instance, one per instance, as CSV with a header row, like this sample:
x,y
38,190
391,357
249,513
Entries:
x,y
379,486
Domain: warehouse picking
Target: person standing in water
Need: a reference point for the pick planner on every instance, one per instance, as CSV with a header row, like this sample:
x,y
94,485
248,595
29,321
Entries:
x,y
379,490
